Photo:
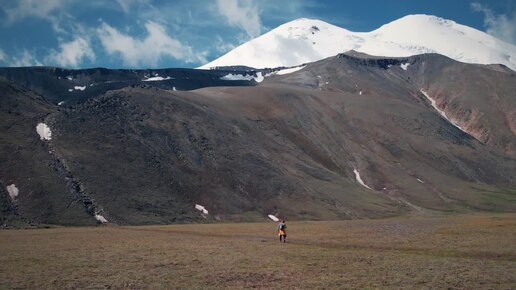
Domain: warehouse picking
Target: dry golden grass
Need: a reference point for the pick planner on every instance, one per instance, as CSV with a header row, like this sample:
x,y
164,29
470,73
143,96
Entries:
x,y
447,252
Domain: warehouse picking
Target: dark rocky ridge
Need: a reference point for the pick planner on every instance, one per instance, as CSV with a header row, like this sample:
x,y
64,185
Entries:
x,y
288,146
54,83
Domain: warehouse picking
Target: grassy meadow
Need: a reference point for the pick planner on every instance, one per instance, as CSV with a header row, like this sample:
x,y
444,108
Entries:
x,y
456,252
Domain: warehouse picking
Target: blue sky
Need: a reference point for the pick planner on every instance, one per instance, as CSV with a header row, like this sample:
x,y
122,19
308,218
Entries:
x,y
159,34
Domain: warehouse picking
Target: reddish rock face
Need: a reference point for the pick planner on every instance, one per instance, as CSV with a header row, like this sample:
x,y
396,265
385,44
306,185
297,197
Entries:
x,y
485,107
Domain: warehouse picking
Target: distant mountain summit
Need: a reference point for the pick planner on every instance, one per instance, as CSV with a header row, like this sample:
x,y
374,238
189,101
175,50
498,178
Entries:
x,y
307,40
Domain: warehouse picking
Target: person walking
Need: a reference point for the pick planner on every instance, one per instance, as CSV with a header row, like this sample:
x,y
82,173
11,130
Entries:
x,y
282,231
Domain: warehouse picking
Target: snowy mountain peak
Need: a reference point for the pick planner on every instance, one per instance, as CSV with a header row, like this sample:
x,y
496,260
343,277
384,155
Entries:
x,y
304,23
306,40
304,27
421,18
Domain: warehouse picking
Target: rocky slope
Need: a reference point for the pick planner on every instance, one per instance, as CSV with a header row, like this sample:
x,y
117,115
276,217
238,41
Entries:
x,y
32,190
350,136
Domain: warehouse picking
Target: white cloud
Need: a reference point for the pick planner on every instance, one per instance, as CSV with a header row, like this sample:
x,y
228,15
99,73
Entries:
x,y
241,13
188,31
3,56
222,46
24,59
26,8
128,5
125,5
147,51
50,10
500,26
72,53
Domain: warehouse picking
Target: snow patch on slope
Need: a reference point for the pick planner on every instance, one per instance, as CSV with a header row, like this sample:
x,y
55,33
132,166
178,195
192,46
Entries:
x,y
79,88
359,179
44,131
239,77
297,42
259,77
101,219
441,112
273,217
404,66
289,70
201,208
156,79
13,191
417,208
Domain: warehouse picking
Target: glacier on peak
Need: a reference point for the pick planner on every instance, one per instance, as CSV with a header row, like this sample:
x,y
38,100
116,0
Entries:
x,y
306,40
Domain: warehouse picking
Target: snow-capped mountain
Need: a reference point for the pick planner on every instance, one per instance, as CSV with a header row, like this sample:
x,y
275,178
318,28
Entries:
x,y
306,40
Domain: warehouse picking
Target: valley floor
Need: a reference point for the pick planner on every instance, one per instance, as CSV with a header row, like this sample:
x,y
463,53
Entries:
x,y
474,252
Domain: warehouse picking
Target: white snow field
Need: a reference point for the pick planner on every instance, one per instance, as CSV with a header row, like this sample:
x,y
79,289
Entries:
x,y
289,70
13,191
307,40
101,218
404,66
201,208
273,217
441,112
44,131
156,79
359,179
238,77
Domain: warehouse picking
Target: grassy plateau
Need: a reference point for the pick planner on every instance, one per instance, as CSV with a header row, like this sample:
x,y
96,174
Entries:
x,y
455,252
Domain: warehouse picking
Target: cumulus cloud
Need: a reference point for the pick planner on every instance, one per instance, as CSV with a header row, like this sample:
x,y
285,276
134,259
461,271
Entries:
x,y
26,58
72,53
147,51
500,26
241,13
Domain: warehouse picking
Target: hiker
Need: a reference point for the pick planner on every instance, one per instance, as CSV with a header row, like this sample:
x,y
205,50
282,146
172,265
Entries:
x,y
282,231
